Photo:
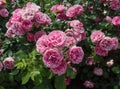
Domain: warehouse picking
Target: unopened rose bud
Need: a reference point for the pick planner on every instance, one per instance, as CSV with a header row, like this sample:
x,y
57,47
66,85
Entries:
x,y
67,80
98,71
88,84
90,61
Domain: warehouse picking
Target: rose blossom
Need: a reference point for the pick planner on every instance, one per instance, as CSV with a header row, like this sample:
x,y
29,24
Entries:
x,y
61,16
116,21
27,24
1,66
115,43
75,54
97,36
4,12
9,63
90,61
52,58
61,69
67,80
69,32
75,24
56,38
99,51
88,84
70,41
108,19
106,44
41,44
30,37
39,34
74,11
98,71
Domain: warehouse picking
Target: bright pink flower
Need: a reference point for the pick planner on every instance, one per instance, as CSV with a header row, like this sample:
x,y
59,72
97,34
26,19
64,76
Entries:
x,y
99,51
97,36
75,54
67,80
61,69
115,43
56,38
4,12
90,61
2,3
8,24
9,63
88,84
83,35
57,8
98,71
41,44
9,33
42,19
1,66
74,11
30,37
61,16
108,19
52,58
75,24
116,21
39,34
115,4
70,41
15,18
106,44
27,25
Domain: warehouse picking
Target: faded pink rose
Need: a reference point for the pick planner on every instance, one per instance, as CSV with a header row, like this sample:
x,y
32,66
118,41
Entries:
x,y
115,4
99,51
116,21
41,44
4,12
61,69
1,66
42,19
88,84
108,19
98,71
56,38
9,63
115,43
9,33
61,16
97,36
70,41
67,80
27,25
69,32
57,8
75,24
30,37
75,54
74,11
39,34
1,51
106,44
8,25
90,61
52,58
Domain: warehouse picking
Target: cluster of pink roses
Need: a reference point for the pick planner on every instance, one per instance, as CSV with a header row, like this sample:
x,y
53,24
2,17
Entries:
x,y
63,12
53,48
24,18
103,44
113,4
8,63
3,11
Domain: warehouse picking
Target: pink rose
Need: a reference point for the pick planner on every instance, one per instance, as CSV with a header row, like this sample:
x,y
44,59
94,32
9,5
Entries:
x,y
61,16
69,32
61,69
9,63
97,36
67,80
116,21
8,25
88,84
30,37
41,44
75,24
74,11
115,43
108,19
9,33
1,66
42,19
52,58
83,35
39,34
15,18
70,41
98,71
90,61
56,38
106,44
27,25
4,12
99,51
75,54
115,4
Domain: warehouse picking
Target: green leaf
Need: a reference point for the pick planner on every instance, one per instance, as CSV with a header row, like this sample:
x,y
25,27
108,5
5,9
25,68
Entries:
x,y
1,87
33,74
25,78
116,70
71,73
59,82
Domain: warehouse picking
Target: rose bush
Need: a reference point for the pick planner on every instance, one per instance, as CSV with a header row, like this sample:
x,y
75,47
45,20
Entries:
x,y
59,44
